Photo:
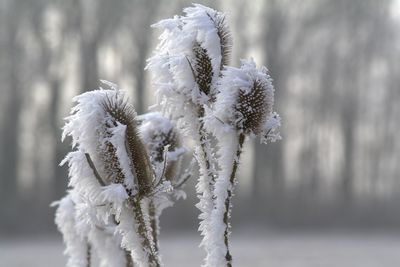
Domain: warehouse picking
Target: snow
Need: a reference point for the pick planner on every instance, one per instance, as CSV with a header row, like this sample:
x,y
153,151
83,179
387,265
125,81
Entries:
x,y
264,249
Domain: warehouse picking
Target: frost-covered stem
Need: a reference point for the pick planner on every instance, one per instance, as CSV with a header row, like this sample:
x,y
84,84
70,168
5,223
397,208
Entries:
x,y
93,167
139,217
144,234
88,254
154,223
228,204
128,259
205,183
203,144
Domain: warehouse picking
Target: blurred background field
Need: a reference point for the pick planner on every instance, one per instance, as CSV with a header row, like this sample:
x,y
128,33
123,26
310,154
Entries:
x,y
335,66
250,248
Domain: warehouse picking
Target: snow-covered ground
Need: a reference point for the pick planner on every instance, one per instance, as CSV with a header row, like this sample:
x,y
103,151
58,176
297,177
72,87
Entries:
x,y
249,250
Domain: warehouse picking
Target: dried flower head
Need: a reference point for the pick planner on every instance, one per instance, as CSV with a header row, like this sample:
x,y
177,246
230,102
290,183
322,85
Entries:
x,y
212,32
202,69
112,167
121,112
225,37
246,98
193,50
162,140
252,107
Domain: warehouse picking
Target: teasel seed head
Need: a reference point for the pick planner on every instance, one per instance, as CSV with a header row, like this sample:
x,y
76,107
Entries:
x,y
111,163
212,30
225,37
253,107
159,134
203,70
246,98
120,111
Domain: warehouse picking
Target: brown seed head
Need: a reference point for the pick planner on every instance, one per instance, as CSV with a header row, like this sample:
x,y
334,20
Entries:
x,y
252,108
121,111
160,134
225,37
202,69
112,167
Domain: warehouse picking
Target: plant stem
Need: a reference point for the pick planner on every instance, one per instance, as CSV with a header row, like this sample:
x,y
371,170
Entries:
x,y
93,167
203,140
154,224
228,205
144,234
128,258
88,254
206,181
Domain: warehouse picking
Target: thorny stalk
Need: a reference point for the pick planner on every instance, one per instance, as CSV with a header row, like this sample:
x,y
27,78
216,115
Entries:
x,y
203,140
228,200
139,217
128,258
154,223
144,233
88,254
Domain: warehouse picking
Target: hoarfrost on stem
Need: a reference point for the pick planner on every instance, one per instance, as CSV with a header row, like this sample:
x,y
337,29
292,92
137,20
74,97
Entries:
x,y
185,68
126,169
197,89
112,181
243,108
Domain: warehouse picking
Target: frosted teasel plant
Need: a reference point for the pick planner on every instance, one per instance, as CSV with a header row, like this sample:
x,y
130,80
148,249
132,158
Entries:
x,y
164,146
123,172
243,108
186,66
208,99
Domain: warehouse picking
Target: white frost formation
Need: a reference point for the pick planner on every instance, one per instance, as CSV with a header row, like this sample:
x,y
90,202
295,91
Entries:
x,y
196,89
106,211
124,169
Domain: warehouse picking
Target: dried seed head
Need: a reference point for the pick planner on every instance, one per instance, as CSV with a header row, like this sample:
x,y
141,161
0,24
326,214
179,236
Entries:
x,y
246,98
212,29
202,69
120,111
252,108
225,37
200,37
112,166
159,133
161,140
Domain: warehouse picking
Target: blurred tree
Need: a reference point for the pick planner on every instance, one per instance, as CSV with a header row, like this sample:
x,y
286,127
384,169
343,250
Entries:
x,y
10,125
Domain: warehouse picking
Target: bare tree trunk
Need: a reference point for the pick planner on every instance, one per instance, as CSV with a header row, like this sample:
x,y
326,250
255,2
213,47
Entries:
x,y
269,177
143,39
9,129
60,149
89,65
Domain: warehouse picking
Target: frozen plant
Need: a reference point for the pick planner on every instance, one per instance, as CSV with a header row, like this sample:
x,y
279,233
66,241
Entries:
x,y
206,98
243,109
164,146
185,67
123,172
125,168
